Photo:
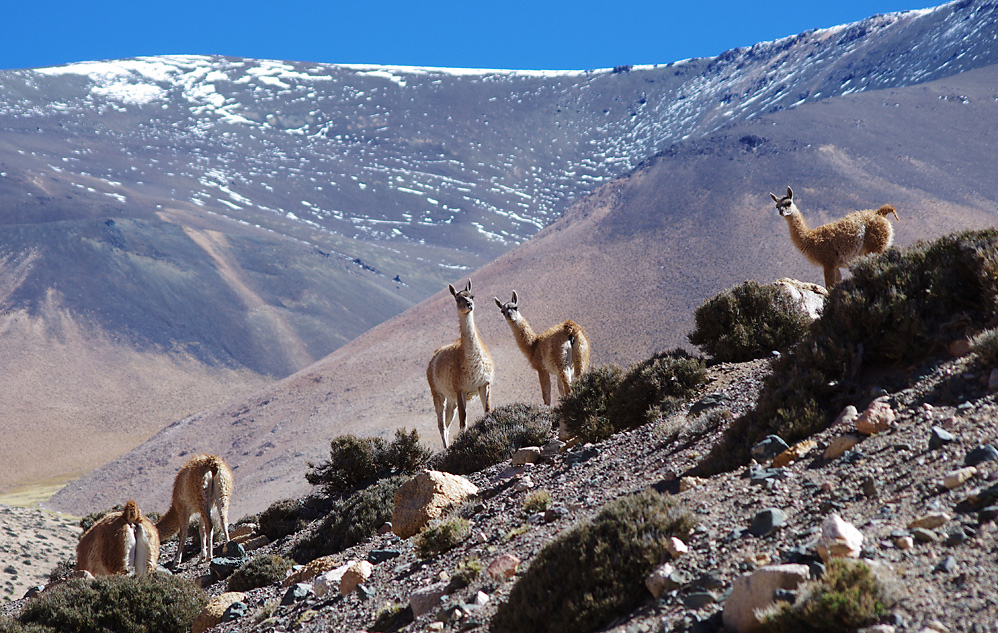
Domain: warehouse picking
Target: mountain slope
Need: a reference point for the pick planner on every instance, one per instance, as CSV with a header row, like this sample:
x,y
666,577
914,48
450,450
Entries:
x,y
631,263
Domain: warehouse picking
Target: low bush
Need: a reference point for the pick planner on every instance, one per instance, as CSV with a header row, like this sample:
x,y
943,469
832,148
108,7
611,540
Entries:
x,y
350,521
985,346
655,387
111,604
583,412
358,461
896,309
536,501
442,535
747,322
595,572
260,571
847,598
282,518
495,438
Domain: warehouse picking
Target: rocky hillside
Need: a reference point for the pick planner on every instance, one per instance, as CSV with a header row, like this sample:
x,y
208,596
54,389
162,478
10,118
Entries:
x,y
175,227
941,574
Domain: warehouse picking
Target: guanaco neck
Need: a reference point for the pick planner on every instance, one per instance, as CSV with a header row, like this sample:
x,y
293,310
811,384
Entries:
x,y
169,523
800,232
524,334
470,340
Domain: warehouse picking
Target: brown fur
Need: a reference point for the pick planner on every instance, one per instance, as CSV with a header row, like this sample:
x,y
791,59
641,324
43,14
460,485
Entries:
x,y
119,543
201,484
562,350
833,245
460,370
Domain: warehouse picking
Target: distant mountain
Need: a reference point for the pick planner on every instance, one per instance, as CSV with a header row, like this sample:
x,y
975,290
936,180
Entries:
x,y
178,230
630,262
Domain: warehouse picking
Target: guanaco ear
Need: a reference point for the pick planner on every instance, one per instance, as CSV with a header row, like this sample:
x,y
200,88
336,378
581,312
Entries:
x,y
790,192
498,303
514,297
452,291
773,196
468,289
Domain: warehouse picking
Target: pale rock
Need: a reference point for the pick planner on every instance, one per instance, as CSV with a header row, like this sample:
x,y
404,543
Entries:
x,y
841,444
956,478
481,599
930,521
848,415
658,582
212,613
959,347
676,547
689,483
251,542
427,599
878,628
904,543
358,571
329,581
527,455
795,452
753,593
243,529
309,572
839,539
877,418
807,296
523,483
504,567
424,498
435,626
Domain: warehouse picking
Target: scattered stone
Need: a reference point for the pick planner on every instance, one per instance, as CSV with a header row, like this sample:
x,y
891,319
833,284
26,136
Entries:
x,y
344,579
938,437
212,613
554,513
839,539
709,401
795,452
878,418
296,593
504,567
427,599
904,543
768,448
869,485
956,536
959,347
956,478
357,573
809,297
523,483
223,567
923,535
551,449
981,454
385,528
847,416
878,628
253,543
676,547
989,513
377,556
946,565
698,600
233,549
424,498
767,521
242,530
689,483
658,581
752,593
527,455
930,521
309,572
235,611
841,444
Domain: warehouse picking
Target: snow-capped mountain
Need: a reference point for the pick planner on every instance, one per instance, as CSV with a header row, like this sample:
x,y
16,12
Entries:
x,y
174,230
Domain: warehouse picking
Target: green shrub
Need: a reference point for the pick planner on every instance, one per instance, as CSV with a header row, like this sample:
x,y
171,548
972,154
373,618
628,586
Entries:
x,y
536,501
985,346
442,535
111,604
847,598
350,521
496,437
895,309
595,572
392,617
464,574
583,412
283,517
10,625
655,387
355,462
262,571
747,322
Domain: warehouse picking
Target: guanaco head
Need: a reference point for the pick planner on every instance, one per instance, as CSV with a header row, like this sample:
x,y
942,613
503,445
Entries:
x,y
465,300
509,309
785,205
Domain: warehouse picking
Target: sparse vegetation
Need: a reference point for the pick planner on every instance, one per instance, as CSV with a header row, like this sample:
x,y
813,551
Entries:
x,y
392,617
350,521
442,535
596,571
655,387
283,517
897,308
110,604
464,574
847,598
747,322
495,438
355,462
985,346
583,412
259,571
536,501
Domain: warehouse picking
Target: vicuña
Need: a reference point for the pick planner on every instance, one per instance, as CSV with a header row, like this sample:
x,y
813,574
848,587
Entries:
x,y
460,370
835,244
202,484
562,350
119,543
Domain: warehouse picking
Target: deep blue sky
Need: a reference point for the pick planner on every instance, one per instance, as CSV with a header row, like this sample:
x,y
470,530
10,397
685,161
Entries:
x,y
514,34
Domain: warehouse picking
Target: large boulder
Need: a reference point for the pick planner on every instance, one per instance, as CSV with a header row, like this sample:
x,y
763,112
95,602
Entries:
x,y
809,297
424,498
212,614
752,593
